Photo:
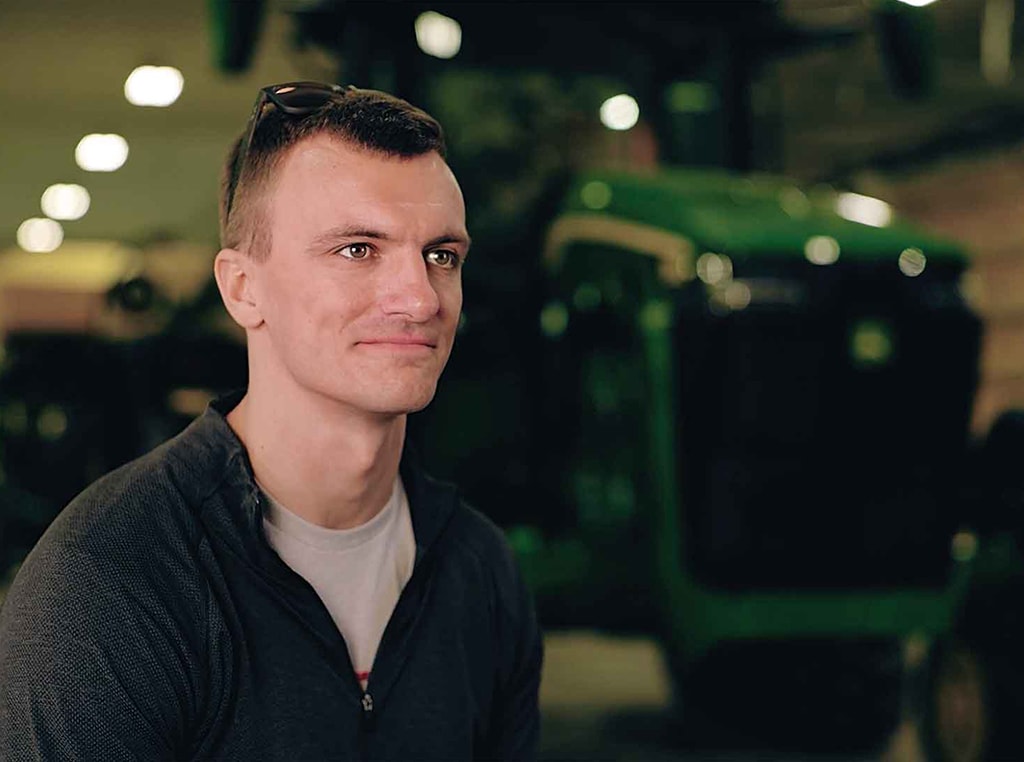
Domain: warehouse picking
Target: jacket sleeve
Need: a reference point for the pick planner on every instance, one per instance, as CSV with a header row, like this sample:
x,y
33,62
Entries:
x,y
515,723
94,661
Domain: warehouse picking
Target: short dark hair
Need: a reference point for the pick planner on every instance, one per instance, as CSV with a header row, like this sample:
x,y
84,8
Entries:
x,y
368,119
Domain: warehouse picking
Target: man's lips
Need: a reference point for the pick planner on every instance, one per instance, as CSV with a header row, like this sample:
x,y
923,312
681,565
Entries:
x,y
401,341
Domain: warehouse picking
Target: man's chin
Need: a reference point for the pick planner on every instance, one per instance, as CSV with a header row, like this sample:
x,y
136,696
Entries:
x,y
411,403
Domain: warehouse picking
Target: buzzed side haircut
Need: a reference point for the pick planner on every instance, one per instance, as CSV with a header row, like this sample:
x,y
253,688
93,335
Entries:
x,y
368,119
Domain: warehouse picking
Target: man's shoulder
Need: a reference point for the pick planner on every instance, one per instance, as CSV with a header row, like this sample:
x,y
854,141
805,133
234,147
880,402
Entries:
x,y
142,517
476,530
441,514
129,542
473,534
159,492
137,497
113,602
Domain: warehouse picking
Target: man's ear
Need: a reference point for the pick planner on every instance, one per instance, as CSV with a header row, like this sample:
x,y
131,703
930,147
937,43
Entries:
x,y
234,272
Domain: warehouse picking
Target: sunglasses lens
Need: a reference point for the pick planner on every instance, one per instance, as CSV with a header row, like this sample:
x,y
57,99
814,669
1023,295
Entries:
x,y
303,97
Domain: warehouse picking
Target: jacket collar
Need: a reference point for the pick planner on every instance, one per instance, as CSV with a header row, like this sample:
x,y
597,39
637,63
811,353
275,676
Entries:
x,y
208,458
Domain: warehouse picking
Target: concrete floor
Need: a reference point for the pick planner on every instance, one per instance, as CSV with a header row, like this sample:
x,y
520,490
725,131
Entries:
x,y
606,698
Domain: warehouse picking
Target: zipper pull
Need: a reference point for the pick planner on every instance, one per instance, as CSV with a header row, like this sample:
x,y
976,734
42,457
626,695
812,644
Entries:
x,y
367,703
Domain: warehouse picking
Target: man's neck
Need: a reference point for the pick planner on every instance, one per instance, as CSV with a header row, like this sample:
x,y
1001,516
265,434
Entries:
x,y
332,466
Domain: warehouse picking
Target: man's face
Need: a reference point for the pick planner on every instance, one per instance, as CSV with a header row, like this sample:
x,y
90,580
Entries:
x,y
361,294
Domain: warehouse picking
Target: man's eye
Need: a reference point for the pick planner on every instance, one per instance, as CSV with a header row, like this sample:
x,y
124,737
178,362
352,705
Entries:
x,y
355,251
443,258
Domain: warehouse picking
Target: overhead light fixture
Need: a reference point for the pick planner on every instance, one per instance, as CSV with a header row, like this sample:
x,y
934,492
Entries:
x,y
153,86
39,234
863,209
620,112
917,3
65,201
101,153
438,35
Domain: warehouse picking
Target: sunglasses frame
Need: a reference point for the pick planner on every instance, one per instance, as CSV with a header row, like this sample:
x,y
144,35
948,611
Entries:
x,y
272,94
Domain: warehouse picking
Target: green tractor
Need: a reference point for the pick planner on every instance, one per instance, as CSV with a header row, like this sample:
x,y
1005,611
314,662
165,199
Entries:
x,y
756,432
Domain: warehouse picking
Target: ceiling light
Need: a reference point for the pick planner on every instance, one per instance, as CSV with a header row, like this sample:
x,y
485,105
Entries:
x,y
620,112
65,201
438,35
101,153
39,234
153,86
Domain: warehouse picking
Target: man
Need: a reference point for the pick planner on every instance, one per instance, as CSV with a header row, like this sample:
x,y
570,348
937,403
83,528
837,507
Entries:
x,y
281,581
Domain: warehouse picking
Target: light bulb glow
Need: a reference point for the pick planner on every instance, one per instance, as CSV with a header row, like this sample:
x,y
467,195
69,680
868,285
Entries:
x,y
620,112
153,86
714,268
39,234
822,250
101,153
964,546
65,202
438,35
917,3
871,344
596,195
554,319
863,209
912,262
737,295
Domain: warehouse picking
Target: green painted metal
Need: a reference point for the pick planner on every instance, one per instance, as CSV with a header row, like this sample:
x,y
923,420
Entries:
x,y
745,216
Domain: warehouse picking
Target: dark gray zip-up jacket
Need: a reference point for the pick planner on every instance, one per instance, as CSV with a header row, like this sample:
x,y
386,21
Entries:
x,y
152,621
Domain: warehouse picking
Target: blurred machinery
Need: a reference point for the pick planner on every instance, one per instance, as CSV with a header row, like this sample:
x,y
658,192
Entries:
x,y
802,395
107,351
753,442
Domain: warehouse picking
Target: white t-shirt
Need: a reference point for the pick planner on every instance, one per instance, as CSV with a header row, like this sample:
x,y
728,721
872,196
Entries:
x,y
358,573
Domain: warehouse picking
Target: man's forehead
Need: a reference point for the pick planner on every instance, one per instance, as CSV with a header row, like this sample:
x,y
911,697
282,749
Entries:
x,y
339,165
326,183
327,151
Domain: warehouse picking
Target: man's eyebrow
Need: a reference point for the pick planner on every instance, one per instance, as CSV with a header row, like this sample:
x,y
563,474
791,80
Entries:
x,y
334,235
462,239
329,237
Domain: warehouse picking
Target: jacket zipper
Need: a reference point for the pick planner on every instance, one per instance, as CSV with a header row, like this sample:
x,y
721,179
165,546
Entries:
x,y
366,723
367,718
367,703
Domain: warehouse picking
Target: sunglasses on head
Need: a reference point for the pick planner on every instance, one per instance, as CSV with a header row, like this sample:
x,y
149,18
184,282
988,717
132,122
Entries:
x,y
297,99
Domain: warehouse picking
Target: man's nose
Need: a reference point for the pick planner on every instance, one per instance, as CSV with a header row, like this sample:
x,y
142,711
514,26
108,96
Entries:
x,y
407,289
